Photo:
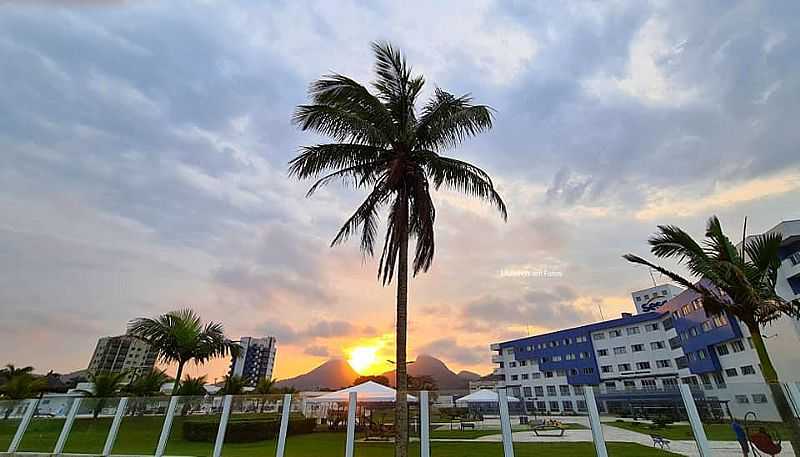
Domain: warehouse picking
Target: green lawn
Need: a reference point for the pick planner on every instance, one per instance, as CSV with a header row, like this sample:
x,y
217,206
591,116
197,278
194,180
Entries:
x,y
139,435
714,432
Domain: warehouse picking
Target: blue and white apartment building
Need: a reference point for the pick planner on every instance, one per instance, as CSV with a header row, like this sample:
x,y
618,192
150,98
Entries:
x,y
643,357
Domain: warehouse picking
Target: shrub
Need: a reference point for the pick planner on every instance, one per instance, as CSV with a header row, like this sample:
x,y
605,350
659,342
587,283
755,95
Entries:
x,y
243,430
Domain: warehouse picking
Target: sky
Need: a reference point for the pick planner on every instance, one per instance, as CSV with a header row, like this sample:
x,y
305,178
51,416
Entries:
x,y
144,149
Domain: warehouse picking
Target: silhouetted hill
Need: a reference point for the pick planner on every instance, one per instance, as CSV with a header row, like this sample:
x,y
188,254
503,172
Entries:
x,y
333,374
435,368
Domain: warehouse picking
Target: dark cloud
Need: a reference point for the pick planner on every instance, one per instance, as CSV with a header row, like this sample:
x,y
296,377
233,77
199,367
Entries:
x,y
323,329
316,351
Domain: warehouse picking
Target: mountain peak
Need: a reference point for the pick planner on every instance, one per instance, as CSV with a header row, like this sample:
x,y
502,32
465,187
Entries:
x,y
331,374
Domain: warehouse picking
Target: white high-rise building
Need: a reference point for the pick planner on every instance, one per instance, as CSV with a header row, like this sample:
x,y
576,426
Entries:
x,y
256,360
123,353
652,298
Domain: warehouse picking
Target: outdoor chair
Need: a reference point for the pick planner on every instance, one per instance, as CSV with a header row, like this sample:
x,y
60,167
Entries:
x,y
660,441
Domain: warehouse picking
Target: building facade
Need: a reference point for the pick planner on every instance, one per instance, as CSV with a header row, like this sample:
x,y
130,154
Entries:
x,y
652,298
123,353
256,360
638,358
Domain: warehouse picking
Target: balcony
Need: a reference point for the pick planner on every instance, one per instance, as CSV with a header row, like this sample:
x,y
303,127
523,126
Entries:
x,y
494,346
499,372
497,358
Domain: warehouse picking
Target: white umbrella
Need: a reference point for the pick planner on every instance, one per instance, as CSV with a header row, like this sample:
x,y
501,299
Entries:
x,y
368,392
483,396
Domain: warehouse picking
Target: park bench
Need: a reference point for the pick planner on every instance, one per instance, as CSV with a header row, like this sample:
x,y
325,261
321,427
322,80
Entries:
x,y
548,430
660,441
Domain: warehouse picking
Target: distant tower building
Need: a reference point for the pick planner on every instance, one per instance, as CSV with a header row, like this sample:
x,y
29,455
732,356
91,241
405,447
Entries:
x,y
123,353
256,359
650,299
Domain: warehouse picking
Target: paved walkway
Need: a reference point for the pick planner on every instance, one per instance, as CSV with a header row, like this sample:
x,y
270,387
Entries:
x,y
615,434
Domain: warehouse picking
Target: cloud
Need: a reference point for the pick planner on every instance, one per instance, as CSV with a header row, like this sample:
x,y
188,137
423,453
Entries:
x,y
316,351
450,350
323,329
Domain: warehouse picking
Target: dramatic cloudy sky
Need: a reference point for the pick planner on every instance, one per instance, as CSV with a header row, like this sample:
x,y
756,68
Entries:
x,y
143,152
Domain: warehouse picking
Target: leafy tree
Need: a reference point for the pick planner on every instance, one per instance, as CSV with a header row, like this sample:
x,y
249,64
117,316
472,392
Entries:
x,y
734,282
385,145
19,385
180,336
424,382
105,385
149,383
11,370
380,379
234,385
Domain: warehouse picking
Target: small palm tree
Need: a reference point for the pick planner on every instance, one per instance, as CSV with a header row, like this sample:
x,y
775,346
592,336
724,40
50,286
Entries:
x,y
19,386
10,370
265,386
105,385
233,385
738,283
180,336
385,145
149,384
194,387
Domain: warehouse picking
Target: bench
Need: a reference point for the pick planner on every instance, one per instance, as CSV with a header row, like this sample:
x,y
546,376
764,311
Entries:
x,y
466,425
660,441
544,429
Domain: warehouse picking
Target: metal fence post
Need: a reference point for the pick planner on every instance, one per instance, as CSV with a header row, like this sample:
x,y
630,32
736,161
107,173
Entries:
x,y
505,423
424,425
594,422
112,433
694,420
165,429
351,424
794,396
62,438
287,403
227,400
23,425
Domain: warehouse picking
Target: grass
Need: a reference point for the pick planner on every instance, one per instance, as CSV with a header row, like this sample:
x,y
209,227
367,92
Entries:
x,y
139,435
714,432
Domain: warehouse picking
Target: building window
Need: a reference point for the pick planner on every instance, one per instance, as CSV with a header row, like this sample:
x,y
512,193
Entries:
x,y
524,376
620,350
569,357
701,354
583,355
578,390
599,336
556,358
748,369
642,365
526,391
632,330
548,374
649,384
668,324
514,377
512,364
681,362
624,367
536,375
656,345
666,363
693,331
759,398
741,399
737,346
629,385
651,327
720,321
638,298
541,406
637,348
573,372
588,370
561,373
669,383
567,404
602,352
581,405
719,380
615,333
539,390
707,326
722,349
607,369
522,363
551,391
611,386
674,342
563,390
731,372
580,339
553,406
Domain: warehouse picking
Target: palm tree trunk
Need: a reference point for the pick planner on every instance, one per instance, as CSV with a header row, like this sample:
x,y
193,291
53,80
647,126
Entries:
x,y
775,387
401,373
178,378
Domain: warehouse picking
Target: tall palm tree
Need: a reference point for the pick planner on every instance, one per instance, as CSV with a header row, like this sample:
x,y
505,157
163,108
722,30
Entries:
x,y
234,385
384,145
739,283
105,385
180,336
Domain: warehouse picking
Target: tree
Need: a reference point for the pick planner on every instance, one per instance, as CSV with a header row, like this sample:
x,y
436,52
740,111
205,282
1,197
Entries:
x,y
424,382
10,370
105,385
734,282
180,336
18,386
265,386
193,386
149,384
233,385
384,145
380,379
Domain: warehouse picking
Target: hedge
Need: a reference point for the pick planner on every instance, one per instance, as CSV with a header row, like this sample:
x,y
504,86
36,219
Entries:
x,y
243,430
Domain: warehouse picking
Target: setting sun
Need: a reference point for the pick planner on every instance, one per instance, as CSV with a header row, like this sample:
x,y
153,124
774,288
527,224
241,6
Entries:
x,y
362,358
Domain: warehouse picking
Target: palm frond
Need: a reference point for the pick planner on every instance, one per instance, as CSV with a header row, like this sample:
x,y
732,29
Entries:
x,y
365,217
314,160
762,252
346,94
422,216
396,86
448,120
465,178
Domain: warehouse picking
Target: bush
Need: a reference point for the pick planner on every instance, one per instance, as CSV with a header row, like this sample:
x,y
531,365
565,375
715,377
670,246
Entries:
x,y
244,430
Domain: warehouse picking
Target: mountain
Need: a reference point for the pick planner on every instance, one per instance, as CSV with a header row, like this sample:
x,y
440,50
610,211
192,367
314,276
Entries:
x,y
333,374
435,368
